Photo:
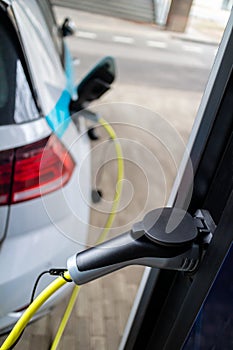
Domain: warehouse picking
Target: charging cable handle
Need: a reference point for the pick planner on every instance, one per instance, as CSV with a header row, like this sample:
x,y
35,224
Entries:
x,y
165,238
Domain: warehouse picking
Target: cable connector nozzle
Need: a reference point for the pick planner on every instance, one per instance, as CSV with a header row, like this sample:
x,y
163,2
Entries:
x,y
165,238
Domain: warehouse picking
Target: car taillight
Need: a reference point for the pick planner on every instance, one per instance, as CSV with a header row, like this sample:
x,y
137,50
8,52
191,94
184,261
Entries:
x,y
6,167
38,168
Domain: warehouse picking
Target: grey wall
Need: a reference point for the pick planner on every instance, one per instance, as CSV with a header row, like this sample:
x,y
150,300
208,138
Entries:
x,y
136,10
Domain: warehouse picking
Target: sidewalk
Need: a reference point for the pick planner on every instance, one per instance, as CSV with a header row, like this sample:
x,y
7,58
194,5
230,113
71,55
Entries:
x,y
204,29
206,22
201,31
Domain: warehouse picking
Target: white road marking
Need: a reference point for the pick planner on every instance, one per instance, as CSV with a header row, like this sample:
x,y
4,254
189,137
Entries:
x,y
192,48
157,44
86,35
149,43
76,61
123,39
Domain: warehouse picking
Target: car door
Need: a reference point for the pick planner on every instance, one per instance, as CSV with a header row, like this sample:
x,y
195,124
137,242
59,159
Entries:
x,y
174,310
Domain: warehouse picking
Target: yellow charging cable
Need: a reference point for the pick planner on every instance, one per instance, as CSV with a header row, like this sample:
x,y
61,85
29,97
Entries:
x,y
120,177
31,310
111,217
65,317
59,282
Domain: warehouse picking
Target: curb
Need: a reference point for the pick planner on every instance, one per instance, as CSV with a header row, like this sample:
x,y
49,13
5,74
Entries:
x,y
195,40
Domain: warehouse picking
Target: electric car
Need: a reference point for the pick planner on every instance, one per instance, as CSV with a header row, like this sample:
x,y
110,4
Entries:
x,y
44,163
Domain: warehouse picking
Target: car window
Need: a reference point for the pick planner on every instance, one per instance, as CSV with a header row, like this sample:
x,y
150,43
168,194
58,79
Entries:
x,y
16,101
45,65
46,9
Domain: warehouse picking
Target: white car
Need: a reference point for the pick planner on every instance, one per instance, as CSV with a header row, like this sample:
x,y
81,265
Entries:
x,y
44,166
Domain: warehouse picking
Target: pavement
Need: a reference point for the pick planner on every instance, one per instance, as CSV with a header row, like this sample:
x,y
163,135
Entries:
x,y
204,30
206,22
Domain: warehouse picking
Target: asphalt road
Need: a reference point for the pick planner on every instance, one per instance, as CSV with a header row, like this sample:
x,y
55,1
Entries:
x,y
173,64
155,69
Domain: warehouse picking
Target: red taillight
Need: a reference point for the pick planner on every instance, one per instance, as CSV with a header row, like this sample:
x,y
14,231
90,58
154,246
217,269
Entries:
x,y
39,168
6,167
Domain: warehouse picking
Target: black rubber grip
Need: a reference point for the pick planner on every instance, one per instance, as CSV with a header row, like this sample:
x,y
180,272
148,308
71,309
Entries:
x,y
124,248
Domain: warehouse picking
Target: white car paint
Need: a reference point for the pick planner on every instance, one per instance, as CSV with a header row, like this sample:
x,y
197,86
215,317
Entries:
x,y
43,232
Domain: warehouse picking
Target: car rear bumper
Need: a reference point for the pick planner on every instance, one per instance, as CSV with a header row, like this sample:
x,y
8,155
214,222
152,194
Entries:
x,y
42,233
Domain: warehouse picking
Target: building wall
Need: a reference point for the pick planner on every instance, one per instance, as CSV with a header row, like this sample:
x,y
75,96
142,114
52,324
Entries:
x,y
136,10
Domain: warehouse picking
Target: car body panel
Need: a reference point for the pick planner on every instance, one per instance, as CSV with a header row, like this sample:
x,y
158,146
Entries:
x,y
43,232
66,202
12,136
60,226
3,220
17,135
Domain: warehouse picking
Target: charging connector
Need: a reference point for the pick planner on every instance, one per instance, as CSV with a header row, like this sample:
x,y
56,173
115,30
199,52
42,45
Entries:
x,y
167,238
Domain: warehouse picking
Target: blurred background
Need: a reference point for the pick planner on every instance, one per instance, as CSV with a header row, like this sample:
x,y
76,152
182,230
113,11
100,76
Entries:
x,y
164,51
